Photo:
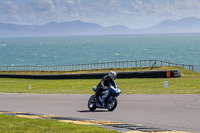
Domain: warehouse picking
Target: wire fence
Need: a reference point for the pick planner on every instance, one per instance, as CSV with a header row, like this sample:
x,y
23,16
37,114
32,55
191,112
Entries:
x,y
102,65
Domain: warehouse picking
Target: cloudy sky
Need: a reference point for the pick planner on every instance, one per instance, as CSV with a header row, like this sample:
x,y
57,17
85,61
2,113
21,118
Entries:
x,y
131,13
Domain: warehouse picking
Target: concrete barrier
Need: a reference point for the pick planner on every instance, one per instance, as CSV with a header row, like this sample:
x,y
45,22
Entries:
x,y
137,74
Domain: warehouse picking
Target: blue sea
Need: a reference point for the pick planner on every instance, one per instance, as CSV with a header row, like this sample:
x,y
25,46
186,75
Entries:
x,y
175,48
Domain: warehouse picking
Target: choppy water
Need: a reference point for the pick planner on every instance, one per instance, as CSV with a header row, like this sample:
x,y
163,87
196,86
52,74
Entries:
x,y
176,48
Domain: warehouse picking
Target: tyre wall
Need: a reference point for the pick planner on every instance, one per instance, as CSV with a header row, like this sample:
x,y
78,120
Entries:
x,y
137,74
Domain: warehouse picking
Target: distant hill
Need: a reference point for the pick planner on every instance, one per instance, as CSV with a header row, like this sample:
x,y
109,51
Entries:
x,y
77,27
185,25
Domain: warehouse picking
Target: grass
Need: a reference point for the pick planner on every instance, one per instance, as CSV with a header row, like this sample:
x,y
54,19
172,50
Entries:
x,y
13,124
188,83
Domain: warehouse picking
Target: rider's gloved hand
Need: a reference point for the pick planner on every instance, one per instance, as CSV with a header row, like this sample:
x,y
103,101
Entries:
x,y
104,87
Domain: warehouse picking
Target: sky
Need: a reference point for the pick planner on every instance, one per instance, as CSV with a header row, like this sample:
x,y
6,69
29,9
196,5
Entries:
x,y
134,14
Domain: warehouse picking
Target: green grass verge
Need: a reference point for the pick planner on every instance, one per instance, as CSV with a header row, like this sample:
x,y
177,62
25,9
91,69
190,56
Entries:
x,y
188,83
13,124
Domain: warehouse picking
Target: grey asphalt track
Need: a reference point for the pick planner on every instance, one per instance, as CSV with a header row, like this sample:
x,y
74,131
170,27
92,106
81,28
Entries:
x,y
174,112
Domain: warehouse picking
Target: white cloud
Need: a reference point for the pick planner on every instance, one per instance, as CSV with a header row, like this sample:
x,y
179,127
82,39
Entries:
x,y
9,12
166,7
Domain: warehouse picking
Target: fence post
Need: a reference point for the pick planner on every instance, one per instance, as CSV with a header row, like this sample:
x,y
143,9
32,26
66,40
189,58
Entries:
x,y
131,64
136,63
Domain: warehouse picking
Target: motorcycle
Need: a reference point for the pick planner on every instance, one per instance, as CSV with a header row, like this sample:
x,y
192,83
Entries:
x,y
107,99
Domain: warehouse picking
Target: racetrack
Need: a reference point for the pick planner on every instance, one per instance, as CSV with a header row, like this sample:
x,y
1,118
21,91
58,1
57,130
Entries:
x,y
174,112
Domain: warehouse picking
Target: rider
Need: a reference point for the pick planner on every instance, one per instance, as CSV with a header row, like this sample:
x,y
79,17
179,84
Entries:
x,y
106,81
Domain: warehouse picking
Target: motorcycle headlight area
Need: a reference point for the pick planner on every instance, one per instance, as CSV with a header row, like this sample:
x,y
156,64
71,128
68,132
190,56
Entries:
x,y
118,90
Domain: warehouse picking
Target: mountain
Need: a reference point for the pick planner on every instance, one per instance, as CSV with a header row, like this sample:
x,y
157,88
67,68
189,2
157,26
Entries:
x,y
7,30
77,27
185,25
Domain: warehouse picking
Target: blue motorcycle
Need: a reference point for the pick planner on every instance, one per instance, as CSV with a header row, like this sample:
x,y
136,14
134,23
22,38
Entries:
x,y
107,99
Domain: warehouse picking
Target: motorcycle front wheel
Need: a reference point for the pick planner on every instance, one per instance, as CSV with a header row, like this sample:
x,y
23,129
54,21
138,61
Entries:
x,y
112,103
92,103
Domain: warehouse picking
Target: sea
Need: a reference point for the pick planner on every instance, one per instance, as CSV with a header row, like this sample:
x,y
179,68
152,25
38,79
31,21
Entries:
x,y
69,50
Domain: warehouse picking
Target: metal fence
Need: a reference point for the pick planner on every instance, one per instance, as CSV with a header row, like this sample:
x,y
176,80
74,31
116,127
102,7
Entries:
x,y
103,65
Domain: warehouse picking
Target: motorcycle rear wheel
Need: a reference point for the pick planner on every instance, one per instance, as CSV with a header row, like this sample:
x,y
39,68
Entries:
x,y
111,105
92,103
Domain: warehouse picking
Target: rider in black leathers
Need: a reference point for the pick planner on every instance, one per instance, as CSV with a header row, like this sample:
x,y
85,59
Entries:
x,y
106,82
